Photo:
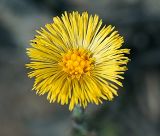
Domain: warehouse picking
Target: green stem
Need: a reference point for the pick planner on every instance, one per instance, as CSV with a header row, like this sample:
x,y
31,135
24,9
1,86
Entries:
x,y
79,124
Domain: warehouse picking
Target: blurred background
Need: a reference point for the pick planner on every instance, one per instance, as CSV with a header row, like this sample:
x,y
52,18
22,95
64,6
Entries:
x,y
136,112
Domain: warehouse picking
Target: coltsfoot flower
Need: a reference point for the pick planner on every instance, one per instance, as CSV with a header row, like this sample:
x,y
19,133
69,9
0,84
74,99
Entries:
x,y
77,61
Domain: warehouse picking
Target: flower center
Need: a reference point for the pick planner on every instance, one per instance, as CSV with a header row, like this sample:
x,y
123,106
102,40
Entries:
x,y
77,63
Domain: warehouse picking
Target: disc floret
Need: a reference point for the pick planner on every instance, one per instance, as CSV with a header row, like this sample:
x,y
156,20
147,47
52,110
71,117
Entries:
x,y
77,63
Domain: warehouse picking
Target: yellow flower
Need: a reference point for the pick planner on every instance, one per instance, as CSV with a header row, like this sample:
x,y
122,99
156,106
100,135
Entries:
x,y
76,61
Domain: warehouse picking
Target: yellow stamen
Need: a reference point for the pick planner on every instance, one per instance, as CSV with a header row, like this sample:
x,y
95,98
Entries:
x,y
77,63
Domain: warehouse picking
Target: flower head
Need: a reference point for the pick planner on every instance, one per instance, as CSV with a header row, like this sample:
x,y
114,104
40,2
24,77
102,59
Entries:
x,y
76,61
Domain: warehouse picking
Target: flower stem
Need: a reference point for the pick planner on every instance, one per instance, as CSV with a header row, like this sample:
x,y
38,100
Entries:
x,y
79,124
